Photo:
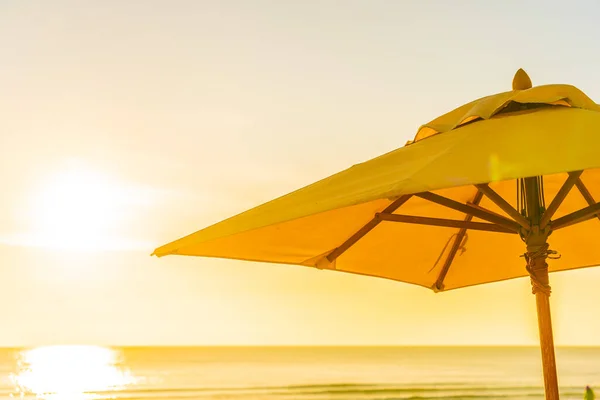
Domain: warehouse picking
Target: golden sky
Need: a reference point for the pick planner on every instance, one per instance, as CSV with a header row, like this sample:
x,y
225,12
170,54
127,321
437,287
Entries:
x,y
125,125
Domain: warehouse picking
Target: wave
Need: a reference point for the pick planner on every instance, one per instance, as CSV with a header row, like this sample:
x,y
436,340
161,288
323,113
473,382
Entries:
x,y
339,391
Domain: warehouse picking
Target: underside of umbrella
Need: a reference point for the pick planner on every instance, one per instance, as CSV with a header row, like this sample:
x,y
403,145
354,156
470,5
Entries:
x,y
455,207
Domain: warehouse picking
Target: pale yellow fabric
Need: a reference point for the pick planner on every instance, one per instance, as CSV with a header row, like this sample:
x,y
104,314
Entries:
x,y
306,225
487,107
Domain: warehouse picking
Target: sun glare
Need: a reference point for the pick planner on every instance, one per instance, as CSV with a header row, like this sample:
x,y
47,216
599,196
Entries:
x,y
70,373
79,209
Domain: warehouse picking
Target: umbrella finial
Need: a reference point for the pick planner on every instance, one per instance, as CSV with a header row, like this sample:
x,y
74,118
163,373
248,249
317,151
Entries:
x,y
521,81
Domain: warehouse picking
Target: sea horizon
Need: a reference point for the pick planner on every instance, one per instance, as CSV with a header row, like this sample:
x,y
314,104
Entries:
x,y
285,346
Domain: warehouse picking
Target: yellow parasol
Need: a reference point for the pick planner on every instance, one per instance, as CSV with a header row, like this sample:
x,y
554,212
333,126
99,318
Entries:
x,y
455,207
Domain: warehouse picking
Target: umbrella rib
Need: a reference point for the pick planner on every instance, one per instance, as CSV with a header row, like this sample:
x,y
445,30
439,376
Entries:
x,y
577,217
439,282
475,212
448,223
586,193
559,198
470,204
338,251
504,205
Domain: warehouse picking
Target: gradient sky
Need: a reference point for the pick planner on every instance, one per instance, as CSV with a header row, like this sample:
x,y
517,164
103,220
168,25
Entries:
x,y
127,124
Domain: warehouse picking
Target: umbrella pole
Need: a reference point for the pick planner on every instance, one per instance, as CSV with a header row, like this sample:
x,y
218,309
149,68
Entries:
x,y
537,253
547,346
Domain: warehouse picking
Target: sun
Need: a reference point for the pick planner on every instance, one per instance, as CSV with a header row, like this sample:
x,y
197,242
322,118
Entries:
x,y
78,208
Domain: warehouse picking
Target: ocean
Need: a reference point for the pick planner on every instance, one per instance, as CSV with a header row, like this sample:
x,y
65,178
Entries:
x,y
285,373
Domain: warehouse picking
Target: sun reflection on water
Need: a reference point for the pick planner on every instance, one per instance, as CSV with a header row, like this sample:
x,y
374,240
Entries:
x,y
70,373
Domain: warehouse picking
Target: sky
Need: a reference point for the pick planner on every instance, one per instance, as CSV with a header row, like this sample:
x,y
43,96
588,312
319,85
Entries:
x,y
126,125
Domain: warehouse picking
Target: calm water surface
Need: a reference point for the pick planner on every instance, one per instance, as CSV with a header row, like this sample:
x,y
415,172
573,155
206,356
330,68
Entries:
x,y
87,372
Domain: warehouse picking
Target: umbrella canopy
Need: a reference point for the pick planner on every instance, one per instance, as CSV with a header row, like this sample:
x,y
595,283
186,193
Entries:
x,y
455,207
546,130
